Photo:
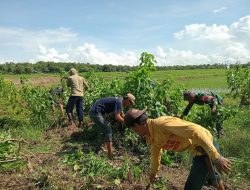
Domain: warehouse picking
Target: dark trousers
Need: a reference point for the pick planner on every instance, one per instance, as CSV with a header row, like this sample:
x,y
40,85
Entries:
x,y
72,101
199,173
101,122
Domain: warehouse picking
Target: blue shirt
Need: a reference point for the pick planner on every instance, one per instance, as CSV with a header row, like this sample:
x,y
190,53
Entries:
x,y
107,105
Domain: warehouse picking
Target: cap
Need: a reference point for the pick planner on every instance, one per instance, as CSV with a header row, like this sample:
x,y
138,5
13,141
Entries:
x,y
131,115
187,94
72,71
131,97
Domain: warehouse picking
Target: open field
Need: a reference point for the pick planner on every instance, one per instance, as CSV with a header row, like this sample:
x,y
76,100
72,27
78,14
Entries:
x,y
43,152
192,79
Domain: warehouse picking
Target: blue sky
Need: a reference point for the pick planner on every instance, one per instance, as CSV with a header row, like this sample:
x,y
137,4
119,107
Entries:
x,y
116,32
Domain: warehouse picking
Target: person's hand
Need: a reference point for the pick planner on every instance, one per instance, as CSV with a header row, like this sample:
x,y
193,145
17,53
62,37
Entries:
x,y
213,110
223,164
154,178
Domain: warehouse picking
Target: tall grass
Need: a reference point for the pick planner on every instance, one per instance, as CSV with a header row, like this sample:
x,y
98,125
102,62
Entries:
x,y
236,144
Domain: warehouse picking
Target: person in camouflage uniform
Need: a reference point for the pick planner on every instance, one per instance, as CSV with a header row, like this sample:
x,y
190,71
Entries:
x,y
211,99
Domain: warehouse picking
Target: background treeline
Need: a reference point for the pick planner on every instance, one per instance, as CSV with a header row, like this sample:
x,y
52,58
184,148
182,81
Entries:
x,y
52,67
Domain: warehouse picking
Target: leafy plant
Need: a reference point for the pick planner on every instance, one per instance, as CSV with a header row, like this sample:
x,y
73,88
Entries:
x,y
150,94
238,79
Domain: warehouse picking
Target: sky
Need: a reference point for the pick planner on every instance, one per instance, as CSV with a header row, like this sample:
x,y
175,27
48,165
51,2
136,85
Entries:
x,y
176,32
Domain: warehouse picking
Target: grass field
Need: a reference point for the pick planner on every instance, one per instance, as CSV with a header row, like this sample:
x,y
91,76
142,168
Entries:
x,y
201,79
52,156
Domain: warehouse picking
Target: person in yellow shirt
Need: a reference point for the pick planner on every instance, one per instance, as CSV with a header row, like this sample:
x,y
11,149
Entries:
x,y
175,134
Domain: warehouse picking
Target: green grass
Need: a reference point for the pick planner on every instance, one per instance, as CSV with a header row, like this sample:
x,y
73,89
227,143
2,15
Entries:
x,y
236,145
191,79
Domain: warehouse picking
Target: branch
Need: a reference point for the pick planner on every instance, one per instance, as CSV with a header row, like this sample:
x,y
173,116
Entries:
x,y
6,161
17,140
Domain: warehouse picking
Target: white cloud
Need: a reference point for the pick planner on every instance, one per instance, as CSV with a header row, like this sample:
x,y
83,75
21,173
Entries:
x,y
51,54
177,57
22,38
198,44
87,53
219,10
220,43
204,32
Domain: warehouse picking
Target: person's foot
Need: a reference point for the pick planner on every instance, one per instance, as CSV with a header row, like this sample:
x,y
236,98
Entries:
x,y
70,123
80,124
104,148
72,127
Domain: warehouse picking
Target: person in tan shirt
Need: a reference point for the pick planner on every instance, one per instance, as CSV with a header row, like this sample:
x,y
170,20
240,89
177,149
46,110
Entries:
x,y
78,87
175,134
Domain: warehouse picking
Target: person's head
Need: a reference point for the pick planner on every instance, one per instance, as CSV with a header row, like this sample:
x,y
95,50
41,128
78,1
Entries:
x,y
72,71
136,120
128,100
189,96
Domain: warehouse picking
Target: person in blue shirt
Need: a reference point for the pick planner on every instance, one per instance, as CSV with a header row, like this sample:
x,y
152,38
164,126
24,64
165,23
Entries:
x,y
109,105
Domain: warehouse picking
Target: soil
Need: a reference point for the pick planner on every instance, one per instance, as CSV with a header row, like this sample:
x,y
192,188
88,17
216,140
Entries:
x,y
39,81
44,169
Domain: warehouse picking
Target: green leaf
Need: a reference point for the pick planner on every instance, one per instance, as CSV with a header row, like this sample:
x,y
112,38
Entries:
x,y
76,167
117,182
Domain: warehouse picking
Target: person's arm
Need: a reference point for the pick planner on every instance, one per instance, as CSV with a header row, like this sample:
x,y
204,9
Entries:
x,y
68,82
214,104
188,130
187,109
85,84
223,164
199,138
156,153
118,117
211,100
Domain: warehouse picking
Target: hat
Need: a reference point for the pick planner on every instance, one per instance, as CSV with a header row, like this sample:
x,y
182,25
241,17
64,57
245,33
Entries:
x,y
72,71
131,115
131,97
187,94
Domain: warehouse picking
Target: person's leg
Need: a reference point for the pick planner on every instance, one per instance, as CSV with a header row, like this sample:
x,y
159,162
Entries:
x,y
99,120
197,175
70,107
219,128
218,122
79,110
220,185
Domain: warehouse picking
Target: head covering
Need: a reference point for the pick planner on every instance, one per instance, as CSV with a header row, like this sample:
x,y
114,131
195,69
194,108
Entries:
x,y
131,115
187,94
131,97
72,71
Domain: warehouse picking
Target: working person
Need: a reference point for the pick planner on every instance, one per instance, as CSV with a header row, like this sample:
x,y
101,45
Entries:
x,y
211,99
110,105
78,87
175,134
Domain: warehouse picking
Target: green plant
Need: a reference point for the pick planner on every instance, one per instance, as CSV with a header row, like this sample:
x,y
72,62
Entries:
x,y
238,79
151,94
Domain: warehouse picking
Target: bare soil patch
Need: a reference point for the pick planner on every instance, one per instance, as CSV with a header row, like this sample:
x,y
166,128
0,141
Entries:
x,y
38,81
45,171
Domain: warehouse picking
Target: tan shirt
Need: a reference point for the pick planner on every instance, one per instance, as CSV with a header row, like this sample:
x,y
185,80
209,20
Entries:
x,y
78,85
171,133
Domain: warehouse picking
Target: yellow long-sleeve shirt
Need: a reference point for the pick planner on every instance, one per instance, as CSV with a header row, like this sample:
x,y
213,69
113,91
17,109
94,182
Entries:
x,y
171,133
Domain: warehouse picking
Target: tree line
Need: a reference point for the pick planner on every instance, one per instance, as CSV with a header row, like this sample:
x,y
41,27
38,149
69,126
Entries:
x,y
52,67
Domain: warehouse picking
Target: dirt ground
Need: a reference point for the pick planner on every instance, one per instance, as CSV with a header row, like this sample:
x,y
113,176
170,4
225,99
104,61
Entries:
x,y
39,81
44,170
